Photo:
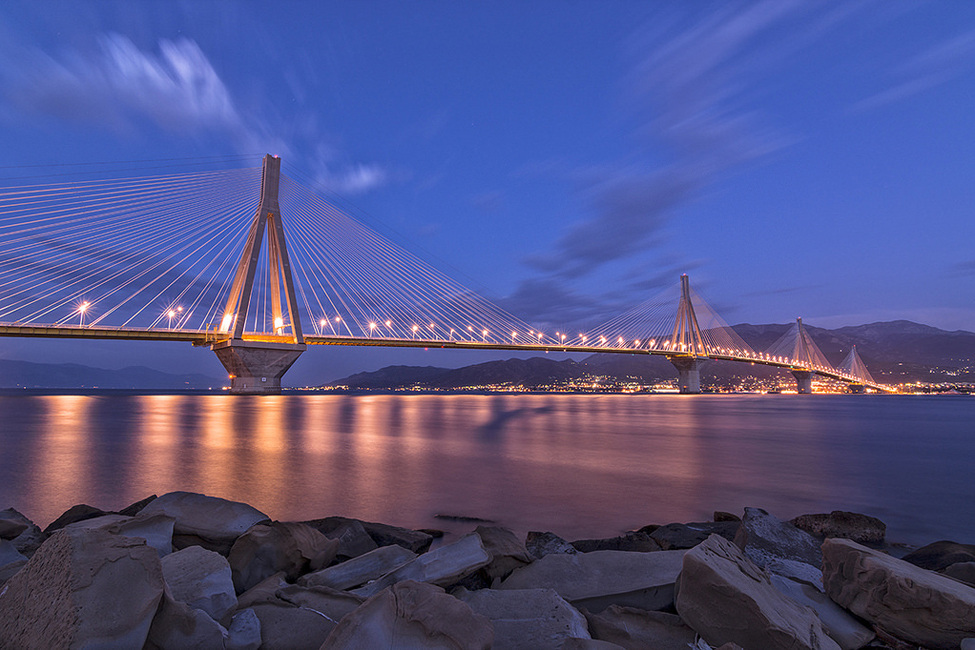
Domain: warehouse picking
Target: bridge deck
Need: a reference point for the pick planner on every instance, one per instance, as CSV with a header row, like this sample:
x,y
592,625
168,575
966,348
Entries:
x,y
208,337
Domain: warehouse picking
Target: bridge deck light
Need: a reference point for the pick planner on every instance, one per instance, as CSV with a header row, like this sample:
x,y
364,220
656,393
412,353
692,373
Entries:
x,y
389,323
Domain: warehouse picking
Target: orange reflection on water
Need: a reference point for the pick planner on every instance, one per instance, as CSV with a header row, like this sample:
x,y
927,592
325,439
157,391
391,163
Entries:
x,y
64,450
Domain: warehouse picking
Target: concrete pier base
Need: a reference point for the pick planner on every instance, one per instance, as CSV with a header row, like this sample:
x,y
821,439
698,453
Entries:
x,y
689,373
256,367
803,381
857,389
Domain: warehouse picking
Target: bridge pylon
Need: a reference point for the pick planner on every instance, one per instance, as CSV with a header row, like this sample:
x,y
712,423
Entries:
x,y
256,365
688,342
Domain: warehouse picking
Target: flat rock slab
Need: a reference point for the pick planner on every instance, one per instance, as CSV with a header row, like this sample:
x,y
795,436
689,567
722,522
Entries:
x,y
941,555
210,522
244,632
506,550
725,597
85,588
266,549
527,619
381,534
12,523
780,547
634,541
286,627
637,629
443,566
201,579
177,625
79,512
678,536
333,603
539,544
602,578
157,530
862,529
964,571
412,615
914,604
839,624
359,570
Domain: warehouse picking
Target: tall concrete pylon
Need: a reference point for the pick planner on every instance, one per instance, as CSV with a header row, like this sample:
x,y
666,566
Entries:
x,y
802,354
256,366
690,351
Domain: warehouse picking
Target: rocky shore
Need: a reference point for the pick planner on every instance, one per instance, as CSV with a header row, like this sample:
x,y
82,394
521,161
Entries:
x,y
186,570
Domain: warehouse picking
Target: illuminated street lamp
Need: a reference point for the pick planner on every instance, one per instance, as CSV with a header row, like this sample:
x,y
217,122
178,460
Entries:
x,y
81,310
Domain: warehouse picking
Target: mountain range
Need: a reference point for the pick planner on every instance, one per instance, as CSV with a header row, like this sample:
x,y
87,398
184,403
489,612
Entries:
x,y
26,374
895,352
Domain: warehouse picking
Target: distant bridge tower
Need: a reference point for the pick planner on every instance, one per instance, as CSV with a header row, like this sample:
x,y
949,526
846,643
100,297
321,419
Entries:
x,y
256,366
688,343
802,355
854,367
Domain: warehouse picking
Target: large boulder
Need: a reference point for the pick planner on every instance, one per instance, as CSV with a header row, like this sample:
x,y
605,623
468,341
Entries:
x,y
637,629
506,551
780,547
79,512
359,570
938,556
266,549
381,534
210,522
11,561
678,536
842,627
12,523
133,509
914,604
266,591
244,632
177,625
635,541
29,541
332,603
351,534
413,615
83,588
527,619
846,525
964,571
157,530
725,597
539,544
602,578
443,566
201,579
287,627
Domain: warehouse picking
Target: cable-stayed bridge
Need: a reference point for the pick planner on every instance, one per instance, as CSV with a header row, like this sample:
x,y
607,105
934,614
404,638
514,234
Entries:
x,y
257,266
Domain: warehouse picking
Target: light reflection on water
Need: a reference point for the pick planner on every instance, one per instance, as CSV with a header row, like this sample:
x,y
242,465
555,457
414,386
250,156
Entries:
x,y
579,465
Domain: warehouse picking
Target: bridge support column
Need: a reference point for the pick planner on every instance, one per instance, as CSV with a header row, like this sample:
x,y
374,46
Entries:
x,y
857,389
256,367
803,381
689,373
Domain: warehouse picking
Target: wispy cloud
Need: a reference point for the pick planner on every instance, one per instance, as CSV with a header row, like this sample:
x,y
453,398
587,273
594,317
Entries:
x,y
121,87
937,64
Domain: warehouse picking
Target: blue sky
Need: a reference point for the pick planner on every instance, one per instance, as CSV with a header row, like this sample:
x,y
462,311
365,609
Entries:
x,y
565,158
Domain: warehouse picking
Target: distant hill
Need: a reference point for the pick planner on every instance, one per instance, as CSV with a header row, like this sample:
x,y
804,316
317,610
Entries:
x,y
26,374
895,352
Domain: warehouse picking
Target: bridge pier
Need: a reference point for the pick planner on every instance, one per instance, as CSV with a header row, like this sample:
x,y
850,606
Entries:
x,y
803,381
689,373
857,389
256,367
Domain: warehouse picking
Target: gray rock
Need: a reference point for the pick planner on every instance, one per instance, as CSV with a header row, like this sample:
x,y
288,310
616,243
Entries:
x,y
286,627
720,515
678,536
351,534
588,644
332,603
210,522
71,515
843,628
527,619
135,508
157,530
84,588
968,644
9,553
9,570
780,547
177,625
443,566
631,541
636,629
940,555
381,534
596,580
359,570
916,605
725,597
29,541
539,545
201,579
964,571
266,591
12,523
412,615
847,525
266,549
244,632
506,551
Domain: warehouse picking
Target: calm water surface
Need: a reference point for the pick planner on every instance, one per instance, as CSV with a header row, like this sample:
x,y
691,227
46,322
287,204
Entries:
x,y
578,465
